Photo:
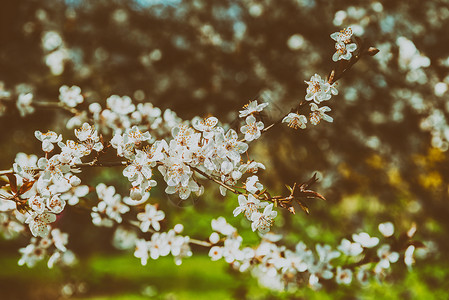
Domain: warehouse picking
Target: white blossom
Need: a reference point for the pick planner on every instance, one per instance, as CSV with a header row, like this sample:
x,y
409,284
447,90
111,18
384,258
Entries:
x,y
24,104
365,240
351,249
343,51
38,223
251,108
295,121
252,129
48,139
387,229
248,206
70,96
263,221
319,90
151,217
386,256
317,114
343,276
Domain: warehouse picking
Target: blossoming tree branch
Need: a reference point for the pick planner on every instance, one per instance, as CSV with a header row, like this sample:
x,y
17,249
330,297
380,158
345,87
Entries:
x,y
35,192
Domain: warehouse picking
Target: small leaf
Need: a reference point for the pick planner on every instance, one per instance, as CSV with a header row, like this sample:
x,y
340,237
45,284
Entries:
x,y
12,182
289,188
26,186
303,191
303,206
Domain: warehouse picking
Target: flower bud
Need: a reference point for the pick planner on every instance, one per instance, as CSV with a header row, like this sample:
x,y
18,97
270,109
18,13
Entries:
x,y
372,51
178,228
135,194
95,108
214,238
75,181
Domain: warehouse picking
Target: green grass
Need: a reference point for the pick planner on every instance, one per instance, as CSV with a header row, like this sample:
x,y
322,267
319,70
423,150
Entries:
x,y
122,277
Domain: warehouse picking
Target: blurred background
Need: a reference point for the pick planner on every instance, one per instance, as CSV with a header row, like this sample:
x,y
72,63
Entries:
x,y
384,158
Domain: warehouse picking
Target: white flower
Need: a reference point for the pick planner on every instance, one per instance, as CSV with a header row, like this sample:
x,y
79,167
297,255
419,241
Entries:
x,y
135,136
52,168
252,128
124,238
70,96
408,256
55,204
319,90
71,152
60,239
365,240
86,133
253,185
294,120
216,253
31,254
263,221
206,126
37,204
343,35
314,281
387,229
151,217
55,60
159,245
363,276
120,105
318,114
142,251
386,257
48,139
326,254
73,195
24,104
248,206
38,223
228,145
9,227
251,108
343,51
25,165
183,191
110,208
351,249
175,172
220,225
139,170
6,204
51,40
344,276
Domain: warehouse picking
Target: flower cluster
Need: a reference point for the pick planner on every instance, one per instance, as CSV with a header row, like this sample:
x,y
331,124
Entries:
x,y
278,267
162,244
343,46
55,243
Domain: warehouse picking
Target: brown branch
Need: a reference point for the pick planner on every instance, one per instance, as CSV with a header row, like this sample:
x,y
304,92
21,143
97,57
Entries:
x,y
92,164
